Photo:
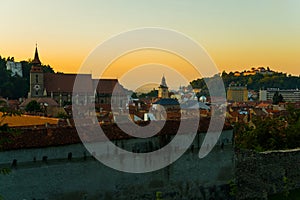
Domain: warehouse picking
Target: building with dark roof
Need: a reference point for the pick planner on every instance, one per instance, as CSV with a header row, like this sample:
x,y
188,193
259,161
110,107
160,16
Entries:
x,y
167,102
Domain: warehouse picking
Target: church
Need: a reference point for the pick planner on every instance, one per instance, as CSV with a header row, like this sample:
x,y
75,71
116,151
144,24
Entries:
x,y
59,87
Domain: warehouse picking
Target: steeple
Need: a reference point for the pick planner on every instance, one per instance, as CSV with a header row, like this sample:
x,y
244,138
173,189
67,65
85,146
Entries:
x,y
36,60
163,89
36,63
36,77
163,82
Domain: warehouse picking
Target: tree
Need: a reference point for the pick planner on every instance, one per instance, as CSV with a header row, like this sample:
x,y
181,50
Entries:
x,y
33,106
277,98
270,133
6,111
152,93
134,95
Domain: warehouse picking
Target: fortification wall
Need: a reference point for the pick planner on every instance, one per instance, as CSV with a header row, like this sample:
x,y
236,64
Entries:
x,y
82,177
260,174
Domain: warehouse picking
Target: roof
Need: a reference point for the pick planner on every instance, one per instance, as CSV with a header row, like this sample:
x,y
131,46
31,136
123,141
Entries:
x,y
53,136
36,60
60,82
27,120
263,105
259,112
3,101
48,101
107,86
167,101
64,83
163,83
13,102
194,105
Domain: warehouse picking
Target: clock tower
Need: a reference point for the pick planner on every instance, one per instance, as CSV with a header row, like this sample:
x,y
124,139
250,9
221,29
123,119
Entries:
x,y
163,91
36,77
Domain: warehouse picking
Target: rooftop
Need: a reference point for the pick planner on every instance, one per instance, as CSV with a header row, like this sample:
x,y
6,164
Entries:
x,y
27,120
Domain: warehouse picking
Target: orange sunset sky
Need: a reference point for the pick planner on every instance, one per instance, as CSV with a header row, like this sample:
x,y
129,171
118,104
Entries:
x,y
236,34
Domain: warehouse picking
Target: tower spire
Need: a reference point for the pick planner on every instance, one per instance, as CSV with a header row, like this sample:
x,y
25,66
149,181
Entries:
x,y
163,89
36,60
163,81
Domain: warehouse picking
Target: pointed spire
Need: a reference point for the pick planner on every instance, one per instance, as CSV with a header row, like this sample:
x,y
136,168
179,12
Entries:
x,y
163,82
36,63
36,60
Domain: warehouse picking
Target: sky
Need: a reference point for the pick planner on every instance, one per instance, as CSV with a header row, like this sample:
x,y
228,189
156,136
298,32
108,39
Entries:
x,y
236,34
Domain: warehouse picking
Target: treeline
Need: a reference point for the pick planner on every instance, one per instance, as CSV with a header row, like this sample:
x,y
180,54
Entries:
x,y
254,82
14,87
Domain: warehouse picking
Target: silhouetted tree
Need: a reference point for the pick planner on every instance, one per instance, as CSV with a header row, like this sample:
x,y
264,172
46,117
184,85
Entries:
x,y
277,98
33,106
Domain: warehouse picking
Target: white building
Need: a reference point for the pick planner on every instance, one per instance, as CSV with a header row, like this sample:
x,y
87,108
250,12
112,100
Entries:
x,y
262,95
15,68
289,95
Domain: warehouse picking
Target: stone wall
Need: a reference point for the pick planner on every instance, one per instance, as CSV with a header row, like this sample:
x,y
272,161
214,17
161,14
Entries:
x,y
260,174
82,177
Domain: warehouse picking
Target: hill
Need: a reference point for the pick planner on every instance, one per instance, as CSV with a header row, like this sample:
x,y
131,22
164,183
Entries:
x,y
14,87
253,82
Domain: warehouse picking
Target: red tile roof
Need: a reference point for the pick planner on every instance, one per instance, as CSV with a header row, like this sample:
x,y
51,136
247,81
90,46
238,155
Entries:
x,y
44,137
107,86
64,83
263,105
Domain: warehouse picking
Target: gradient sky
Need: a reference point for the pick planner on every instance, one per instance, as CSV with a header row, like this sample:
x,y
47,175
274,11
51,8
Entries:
x,y
237,34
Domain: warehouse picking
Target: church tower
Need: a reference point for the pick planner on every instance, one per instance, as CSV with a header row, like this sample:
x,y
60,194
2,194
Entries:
x,y
36,77
163,91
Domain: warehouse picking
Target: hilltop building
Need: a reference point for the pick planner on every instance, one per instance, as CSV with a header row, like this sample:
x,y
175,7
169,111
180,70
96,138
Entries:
x,y
254,71
15,68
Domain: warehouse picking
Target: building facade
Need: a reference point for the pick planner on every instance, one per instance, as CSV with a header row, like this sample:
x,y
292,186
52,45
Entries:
x,y
36,77
59,86
15,68
237,93
289,95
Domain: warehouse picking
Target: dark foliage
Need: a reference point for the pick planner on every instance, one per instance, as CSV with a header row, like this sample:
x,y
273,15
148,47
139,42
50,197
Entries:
x,y
253,82
33,106
270,133
14,87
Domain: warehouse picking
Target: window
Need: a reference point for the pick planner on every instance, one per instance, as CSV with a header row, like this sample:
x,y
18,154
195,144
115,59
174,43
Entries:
x,y
36,78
